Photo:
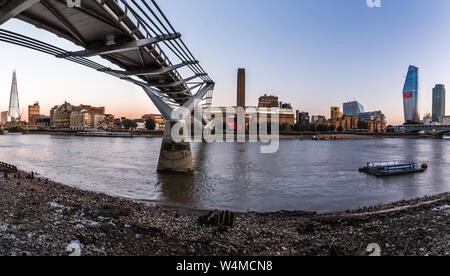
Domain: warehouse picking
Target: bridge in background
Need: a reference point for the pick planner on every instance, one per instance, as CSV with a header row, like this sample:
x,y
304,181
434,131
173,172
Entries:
x,y
436,130
140,44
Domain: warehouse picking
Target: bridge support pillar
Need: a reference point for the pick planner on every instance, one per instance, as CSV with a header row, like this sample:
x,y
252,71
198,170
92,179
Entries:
x,y
175,157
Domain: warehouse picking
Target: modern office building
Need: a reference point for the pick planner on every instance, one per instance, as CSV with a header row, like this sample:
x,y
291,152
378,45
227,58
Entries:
x,y
241,88
411,95
14,111
438,102
303,117
33,113
353,108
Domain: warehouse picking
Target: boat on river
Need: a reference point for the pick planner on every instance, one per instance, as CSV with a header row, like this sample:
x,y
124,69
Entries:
x,y
389,168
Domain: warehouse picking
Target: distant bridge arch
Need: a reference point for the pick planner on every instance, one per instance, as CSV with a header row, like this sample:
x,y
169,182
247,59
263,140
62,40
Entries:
x,y
435,130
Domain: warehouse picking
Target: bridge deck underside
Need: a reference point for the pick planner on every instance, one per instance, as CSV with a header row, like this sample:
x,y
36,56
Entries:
x,y
94,24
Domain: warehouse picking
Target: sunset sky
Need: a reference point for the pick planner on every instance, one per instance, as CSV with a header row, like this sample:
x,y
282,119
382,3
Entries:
x,y
311,53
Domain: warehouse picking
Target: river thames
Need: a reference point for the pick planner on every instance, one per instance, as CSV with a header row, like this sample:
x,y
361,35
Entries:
x,y
303,175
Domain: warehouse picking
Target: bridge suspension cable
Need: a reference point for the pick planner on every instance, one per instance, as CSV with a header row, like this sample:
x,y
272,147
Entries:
x,y
177,46
34,44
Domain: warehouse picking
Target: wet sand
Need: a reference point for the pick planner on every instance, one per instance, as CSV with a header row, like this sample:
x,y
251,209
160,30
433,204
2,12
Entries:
x,y
41,217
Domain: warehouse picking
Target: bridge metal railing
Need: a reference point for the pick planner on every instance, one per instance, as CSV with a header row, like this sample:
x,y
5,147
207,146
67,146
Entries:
x,y
426,126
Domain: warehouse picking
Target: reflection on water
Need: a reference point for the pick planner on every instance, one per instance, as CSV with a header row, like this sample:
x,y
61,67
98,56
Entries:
x,y
303,175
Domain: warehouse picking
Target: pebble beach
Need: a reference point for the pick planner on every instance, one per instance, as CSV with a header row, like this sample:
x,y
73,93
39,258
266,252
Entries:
x,y
42,217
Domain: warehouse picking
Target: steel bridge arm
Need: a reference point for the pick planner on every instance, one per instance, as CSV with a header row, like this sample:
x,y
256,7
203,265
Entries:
x,y
165,109
154,72
119,48
177,83
162,106
186,91
197,98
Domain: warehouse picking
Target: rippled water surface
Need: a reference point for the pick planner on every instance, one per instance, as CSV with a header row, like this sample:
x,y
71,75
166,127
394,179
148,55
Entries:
x,y
303,175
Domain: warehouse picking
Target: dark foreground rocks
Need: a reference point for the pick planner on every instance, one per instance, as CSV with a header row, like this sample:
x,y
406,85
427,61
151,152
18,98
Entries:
x,y
40,217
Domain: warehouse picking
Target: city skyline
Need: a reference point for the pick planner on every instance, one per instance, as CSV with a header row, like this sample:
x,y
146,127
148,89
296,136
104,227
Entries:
x,y
371,47
224,128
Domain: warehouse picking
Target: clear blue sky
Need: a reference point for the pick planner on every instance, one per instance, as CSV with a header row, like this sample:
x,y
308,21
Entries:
x,y
311,53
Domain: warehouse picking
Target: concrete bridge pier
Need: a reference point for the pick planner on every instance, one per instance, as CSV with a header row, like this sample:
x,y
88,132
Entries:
x,y
438,135
175,157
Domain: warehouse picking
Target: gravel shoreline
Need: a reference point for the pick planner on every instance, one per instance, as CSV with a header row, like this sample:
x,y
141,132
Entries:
x,y
41,217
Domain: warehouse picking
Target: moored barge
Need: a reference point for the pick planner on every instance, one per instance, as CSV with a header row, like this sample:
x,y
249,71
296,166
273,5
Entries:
x,y
389,168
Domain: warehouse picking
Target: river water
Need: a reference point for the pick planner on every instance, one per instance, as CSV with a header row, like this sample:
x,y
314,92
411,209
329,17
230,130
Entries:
x,y
303,175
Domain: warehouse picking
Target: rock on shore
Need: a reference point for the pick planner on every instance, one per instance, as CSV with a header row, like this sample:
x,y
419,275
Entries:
x,y
41,217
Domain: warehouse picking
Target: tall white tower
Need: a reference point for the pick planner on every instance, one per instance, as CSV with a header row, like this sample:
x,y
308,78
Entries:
x,y
14,111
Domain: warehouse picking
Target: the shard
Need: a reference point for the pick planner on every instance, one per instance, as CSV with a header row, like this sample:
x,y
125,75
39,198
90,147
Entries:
x,y
14,112
411,95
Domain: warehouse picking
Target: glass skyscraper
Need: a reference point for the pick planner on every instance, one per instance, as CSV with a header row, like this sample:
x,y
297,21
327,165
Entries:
x,y
353,108
438,102
14,111
411,95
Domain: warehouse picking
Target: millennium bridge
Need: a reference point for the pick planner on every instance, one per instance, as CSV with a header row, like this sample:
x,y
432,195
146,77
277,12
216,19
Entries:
x,y
137,38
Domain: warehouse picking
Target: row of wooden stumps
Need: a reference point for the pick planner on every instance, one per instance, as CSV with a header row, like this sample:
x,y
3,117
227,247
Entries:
x,y
221,219
8,169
